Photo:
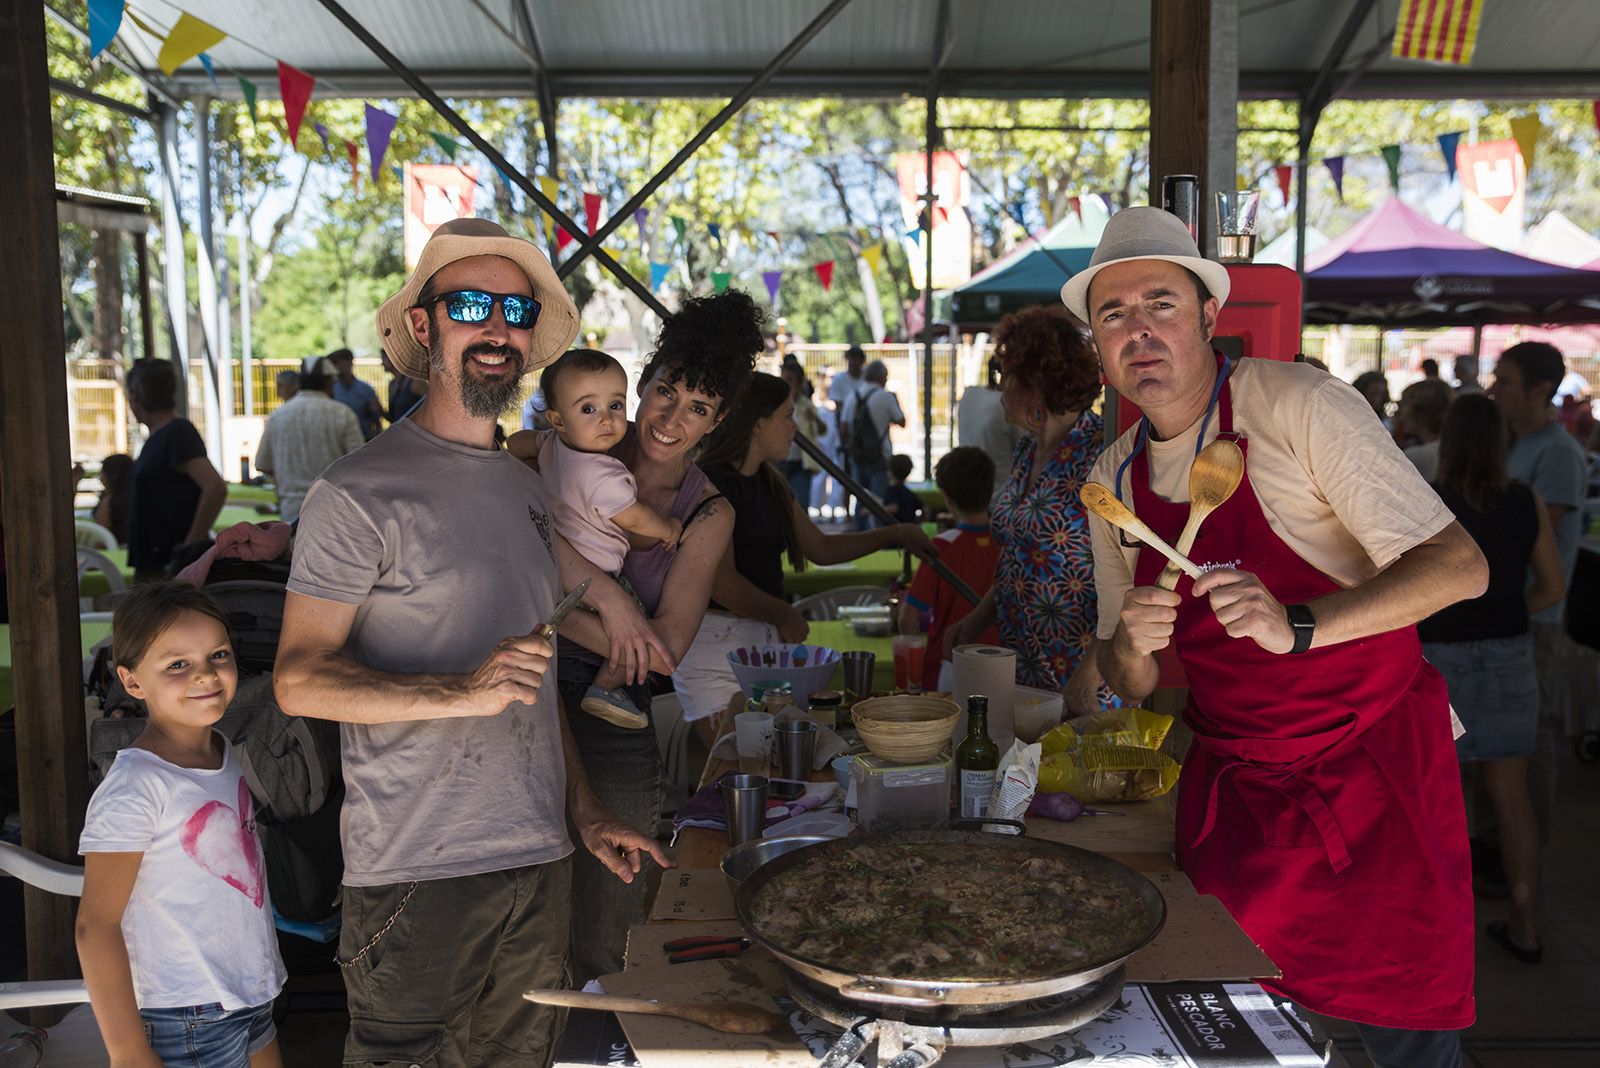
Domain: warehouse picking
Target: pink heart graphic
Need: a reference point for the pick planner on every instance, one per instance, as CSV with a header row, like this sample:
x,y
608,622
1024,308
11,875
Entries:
x,y
223,842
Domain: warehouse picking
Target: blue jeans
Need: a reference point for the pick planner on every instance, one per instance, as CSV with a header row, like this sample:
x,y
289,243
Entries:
x,y
208,1036
875,479
1389,1047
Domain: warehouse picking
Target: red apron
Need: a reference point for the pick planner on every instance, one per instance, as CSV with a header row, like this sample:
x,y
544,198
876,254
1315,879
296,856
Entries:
x,y
1320,801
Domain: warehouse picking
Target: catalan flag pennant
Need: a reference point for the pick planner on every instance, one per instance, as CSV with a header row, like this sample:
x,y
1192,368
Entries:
x,y
1437,31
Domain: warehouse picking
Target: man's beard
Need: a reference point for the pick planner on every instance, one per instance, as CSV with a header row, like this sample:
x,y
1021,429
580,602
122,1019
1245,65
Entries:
x,y
482,398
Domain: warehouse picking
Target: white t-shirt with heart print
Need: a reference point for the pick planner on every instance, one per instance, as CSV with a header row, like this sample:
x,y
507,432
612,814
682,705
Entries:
x,y
199,921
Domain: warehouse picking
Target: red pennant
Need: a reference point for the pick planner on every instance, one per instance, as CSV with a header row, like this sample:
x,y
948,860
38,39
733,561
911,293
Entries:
x,y
295,87
824,273
563,239
355,163
1285,173
591,211
774,234
944,212
1597,114
1076,204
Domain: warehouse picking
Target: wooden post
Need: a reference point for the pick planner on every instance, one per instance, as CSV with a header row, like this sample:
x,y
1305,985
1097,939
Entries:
x,y
1180,79
36,491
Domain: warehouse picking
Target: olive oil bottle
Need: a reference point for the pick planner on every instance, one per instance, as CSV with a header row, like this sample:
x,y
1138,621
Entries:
x,y
977,757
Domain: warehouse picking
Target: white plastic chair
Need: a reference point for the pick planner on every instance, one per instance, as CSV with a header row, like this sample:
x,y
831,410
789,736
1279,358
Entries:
x,y
92,535
94,560
826,605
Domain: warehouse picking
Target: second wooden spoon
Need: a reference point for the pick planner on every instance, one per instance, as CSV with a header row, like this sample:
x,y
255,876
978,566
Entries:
x,y
1215,474
729,1017
1103,503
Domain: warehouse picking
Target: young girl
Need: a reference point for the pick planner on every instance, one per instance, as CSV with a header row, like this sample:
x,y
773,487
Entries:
x,y
592,495
175,930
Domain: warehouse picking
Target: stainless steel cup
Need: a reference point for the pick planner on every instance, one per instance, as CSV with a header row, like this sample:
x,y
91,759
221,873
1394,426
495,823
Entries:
x,y
796,743
858,667
744,801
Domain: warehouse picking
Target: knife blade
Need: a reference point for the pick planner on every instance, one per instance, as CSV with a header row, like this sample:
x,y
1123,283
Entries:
x,y
547,629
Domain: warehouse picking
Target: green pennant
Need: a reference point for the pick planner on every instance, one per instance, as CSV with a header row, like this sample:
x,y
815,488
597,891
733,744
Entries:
x,y
1391,156
679,225
249,89
720,280
446,144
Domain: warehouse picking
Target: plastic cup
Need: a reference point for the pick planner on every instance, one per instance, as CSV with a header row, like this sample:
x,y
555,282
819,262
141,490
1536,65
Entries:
x,y
1236,225
744,802
909,651
752,734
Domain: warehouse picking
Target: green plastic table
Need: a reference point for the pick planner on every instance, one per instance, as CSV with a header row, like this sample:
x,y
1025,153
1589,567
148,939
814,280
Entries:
x,y
90,632
836,634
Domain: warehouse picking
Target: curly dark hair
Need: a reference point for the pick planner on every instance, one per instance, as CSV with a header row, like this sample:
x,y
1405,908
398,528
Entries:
x,y
1050,353
709,346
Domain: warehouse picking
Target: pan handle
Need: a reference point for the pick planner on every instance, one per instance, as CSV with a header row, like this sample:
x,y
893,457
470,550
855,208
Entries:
x,y
879,996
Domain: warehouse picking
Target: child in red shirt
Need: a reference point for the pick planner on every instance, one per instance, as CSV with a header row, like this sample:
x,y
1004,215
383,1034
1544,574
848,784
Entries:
x,y
965,476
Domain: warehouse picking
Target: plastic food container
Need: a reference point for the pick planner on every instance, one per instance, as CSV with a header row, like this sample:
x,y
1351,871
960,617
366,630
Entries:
x,y
892,796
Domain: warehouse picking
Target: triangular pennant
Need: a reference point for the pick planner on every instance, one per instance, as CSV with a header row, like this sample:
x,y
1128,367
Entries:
x,y
1076,204
145,26
824,273
776,240
914,234
1335,165
1447,147
658,274
322,132
187,39
720,280
591,211
639,217
295,87
211,72
563,239
679,225
873,254
715,230
248,88
380,127
550,188
105,19
1525,128
1597,115
1285,173
1391,159
399,173
1105,198
772,279
447,145
355,163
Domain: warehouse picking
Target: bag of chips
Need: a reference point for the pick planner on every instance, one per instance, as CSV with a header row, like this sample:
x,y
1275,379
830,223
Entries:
x,y
1109,756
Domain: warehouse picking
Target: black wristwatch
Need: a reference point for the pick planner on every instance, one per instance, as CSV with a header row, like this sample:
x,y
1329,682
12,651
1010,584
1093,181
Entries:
x,y
1304,624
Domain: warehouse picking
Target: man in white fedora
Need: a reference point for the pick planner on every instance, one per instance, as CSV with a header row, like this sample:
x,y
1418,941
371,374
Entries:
x,y
1320,801
424,562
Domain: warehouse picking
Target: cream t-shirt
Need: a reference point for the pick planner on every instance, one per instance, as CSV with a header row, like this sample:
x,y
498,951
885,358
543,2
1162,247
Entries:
x,y
1330,479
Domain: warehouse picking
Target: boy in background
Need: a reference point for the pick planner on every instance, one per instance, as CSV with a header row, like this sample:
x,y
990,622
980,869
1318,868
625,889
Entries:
x,y
901,500
965,476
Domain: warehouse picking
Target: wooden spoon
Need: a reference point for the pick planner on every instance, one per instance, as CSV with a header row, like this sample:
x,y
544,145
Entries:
x,y
729,1017
1103,503
1215,474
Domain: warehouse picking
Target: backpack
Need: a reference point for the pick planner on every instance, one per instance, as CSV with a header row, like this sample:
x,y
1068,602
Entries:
x,y
866,444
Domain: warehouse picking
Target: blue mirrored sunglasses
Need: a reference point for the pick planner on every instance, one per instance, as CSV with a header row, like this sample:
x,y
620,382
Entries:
x,y
475,306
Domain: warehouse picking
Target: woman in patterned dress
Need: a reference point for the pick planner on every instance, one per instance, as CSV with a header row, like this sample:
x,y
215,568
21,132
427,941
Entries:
x,y
1043,599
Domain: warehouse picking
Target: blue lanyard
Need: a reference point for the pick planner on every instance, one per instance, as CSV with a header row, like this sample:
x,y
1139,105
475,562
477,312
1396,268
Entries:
x,y
1199,441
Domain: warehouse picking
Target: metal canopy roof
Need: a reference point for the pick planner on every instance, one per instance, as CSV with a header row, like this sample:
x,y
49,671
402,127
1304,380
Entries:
x,y
1043,48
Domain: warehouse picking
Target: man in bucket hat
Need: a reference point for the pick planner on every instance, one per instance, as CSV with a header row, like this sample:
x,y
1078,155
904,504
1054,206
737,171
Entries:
x,y
1320,800
417,556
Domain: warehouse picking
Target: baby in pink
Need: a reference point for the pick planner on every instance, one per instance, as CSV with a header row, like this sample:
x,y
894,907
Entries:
x,y
593,497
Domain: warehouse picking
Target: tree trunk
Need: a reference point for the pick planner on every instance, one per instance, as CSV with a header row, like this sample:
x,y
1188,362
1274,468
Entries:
x,y
108,334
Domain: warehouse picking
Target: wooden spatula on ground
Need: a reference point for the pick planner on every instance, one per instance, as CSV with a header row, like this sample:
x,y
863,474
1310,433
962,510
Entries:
x,y
729,1017
1103,503
1215,474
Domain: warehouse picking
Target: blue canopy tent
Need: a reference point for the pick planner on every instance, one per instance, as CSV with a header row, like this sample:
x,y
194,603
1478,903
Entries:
x,y
1033,272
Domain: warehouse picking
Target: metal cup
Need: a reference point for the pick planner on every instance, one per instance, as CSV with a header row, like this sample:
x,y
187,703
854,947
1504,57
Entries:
x,y
858,667
797,742
744,801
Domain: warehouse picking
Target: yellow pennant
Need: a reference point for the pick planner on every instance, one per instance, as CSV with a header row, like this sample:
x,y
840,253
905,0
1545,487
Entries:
x,y
549,187
1526,129
873,254
189,37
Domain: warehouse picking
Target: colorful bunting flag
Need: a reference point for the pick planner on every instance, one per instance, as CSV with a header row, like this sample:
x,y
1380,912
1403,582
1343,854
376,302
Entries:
x,y
715,230
658,274
563,239
399,173
1335,165
679,225
1105,198
776,240
105,19
824,274
720,280
591,210
322,132
1597,115
1447,147
187,39
447,145
1285,173
295,87
1391,159
639,217
145,26
915,233
1437,31
248,88
873,254
1526,128
380,127
549,187
355,164
771,279
211,72
1076,204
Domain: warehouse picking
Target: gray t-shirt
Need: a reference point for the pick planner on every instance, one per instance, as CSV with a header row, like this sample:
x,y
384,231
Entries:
x,y
446,550
1552,462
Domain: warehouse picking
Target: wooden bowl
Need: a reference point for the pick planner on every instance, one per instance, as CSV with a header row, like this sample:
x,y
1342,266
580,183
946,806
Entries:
x,y
906,728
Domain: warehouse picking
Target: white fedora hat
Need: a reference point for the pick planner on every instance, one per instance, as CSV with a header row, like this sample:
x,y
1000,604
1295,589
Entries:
x,y
461,239
1144,234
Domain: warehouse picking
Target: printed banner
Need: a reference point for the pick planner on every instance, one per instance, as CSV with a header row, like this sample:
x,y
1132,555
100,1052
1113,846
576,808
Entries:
x,y
951,228
1437,31
435,193
1493,192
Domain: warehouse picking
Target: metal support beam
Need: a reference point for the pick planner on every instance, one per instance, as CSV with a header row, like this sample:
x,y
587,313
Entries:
x,y
246,295
931,139
36,495
175,273
591,244
449,114
212,357
549,110
147,332
67,88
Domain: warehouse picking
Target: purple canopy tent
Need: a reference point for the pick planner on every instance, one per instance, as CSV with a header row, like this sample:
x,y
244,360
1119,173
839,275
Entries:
x,y
1398,268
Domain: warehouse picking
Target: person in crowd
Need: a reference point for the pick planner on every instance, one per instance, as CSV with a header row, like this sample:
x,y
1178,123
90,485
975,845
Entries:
x,y
175,930
901,500
1374,389
174,492
304,436
1430,370
749,606
1322,776
592,493
1043,599
868,415
965,476
797,467
404,391
1483,646
1421,413
1465,370
286,384
842,388
424,564
981,421
351,391
1546,457
701,363
827,492
111,510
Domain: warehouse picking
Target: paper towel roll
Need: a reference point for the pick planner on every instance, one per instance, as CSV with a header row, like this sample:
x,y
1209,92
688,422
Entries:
x,y
990,670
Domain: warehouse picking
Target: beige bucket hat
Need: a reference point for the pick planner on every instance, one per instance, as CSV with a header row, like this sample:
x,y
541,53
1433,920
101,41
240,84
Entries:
x,y
461,239
1144,234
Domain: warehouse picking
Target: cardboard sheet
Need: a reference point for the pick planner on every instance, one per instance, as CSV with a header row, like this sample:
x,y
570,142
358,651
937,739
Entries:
x,y
693,894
